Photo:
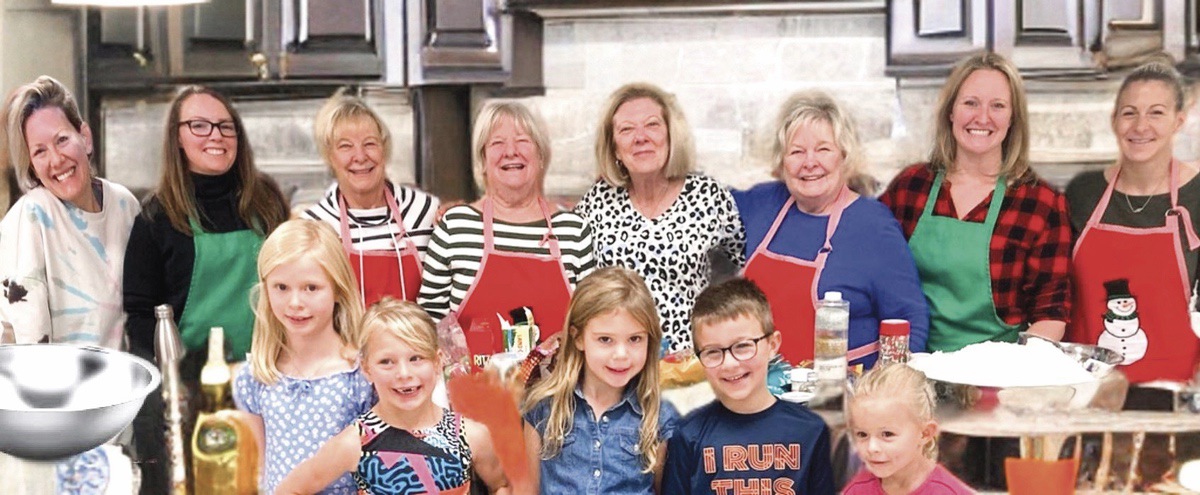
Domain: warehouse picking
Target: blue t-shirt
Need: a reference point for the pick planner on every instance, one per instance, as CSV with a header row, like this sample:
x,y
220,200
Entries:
x,y
783,449
601,457
870,263
299,416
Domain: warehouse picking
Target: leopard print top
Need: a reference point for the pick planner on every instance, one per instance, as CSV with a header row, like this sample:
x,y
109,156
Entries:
x,y
671,252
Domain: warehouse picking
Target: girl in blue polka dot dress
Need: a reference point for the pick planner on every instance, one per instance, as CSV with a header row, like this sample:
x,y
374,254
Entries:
x,y
406,444
302,379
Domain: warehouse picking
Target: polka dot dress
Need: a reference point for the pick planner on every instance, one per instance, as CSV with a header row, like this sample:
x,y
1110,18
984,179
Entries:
x,y
299,415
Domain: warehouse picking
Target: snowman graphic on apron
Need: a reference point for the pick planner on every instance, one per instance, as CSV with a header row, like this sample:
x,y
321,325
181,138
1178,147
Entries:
x,y
1122,327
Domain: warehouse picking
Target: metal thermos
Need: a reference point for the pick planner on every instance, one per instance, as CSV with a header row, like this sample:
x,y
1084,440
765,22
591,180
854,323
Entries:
x,y
168,349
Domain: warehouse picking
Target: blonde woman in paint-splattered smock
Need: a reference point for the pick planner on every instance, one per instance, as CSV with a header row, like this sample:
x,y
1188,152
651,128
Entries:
x,y
62,245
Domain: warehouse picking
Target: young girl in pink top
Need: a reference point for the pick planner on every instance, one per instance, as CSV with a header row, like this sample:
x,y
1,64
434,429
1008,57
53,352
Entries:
x,y
894,432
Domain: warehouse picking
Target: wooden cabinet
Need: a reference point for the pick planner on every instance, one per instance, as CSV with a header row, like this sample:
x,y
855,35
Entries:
x,y
217,40
454,41
125,45
230,40
1042,37
327,38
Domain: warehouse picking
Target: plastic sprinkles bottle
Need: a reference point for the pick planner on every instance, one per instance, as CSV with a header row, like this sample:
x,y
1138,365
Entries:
x,y
893,341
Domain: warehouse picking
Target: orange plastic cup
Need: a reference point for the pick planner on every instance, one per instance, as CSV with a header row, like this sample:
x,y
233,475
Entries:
x,y
1039,477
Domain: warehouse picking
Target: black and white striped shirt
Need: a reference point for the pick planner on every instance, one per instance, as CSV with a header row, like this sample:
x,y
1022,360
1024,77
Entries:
x,y
457,247
372,229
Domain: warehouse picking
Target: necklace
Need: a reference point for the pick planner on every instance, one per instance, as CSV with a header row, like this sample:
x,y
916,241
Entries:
x,y
1149,198
1140,208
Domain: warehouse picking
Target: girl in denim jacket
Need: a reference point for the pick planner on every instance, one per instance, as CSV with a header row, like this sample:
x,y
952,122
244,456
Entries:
x,y
602,422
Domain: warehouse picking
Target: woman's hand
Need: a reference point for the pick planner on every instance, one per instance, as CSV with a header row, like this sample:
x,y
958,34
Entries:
x,y
1049,329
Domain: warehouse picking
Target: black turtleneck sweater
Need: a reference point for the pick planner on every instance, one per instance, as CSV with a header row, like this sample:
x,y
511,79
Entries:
x,y
159,259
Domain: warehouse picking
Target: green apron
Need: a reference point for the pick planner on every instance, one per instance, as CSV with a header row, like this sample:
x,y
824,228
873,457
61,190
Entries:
x,y
952,258
225,270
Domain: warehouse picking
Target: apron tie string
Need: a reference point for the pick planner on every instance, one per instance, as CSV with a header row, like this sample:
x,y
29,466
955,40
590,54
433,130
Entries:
x,y
1186,217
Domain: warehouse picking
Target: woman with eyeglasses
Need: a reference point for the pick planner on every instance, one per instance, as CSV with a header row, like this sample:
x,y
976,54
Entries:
x,y
195,247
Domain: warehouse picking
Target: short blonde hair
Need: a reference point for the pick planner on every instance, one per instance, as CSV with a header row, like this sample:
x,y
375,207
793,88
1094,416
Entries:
x,y
806,108
683,150
43,92
401,319
524,117
729,300
899,382
341,109
291,241
1015,148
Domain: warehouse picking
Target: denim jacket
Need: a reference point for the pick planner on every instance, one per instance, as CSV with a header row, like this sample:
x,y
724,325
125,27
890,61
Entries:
x,y
601,455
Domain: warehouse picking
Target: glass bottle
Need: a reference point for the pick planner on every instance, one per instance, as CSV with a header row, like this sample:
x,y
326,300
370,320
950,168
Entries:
x,y
214,376
893,341
829,350
224,454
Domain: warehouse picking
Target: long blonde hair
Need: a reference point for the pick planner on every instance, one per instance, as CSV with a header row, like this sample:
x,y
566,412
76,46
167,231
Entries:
x,y
1014,161
292,241
903,383
605,290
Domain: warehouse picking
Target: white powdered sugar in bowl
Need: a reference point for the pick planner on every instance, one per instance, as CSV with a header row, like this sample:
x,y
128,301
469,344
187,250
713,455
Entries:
x,y
1001,364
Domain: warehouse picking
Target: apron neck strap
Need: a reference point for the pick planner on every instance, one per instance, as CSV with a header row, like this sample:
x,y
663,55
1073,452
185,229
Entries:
x,y
549,237
398,219
843,199
993,207
997,200
934,190
1185,217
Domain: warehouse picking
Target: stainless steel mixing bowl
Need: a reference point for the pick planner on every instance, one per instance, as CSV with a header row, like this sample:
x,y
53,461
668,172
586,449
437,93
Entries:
x,y
1097,360
956,397
58,400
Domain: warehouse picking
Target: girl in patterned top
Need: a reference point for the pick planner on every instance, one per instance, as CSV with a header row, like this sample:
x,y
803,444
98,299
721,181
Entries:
x,y
406,444
302,382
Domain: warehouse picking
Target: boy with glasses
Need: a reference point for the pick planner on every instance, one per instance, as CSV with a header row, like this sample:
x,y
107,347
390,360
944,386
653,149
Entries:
x,y
746,441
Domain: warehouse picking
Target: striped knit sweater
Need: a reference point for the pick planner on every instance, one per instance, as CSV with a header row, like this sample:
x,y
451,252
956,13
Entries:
x,y
457,247
372,229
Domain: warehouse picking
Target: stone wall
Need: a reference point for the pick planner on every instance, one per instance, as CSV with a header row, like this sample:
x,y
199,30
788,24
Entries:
x,y
731,73
280,133
25,26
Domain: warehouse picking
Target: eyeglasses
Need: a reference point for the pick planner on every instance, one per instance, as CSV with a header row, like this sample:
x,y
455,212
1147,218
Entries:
x,y
741,351
204,128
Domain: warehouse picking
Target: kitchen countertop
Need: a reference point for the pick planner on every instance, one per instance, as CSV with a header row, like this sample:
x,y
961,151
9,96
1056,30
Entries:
x,y
1003,424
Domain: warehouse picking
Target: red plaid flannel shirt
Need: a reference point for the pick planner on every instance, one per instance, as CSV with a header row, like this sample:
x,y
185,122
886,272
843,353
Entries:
x,y
1030,249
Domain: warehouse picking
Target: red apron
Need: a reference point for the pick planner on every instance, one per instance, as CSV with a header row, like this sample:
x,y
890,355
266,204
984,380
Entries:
x,y
508,280
1156,338
790,285
395,272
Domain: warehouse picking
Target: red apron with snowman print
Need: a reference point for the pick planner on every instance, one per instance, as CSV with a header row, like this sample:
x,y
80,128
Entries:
x,y
1131,292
